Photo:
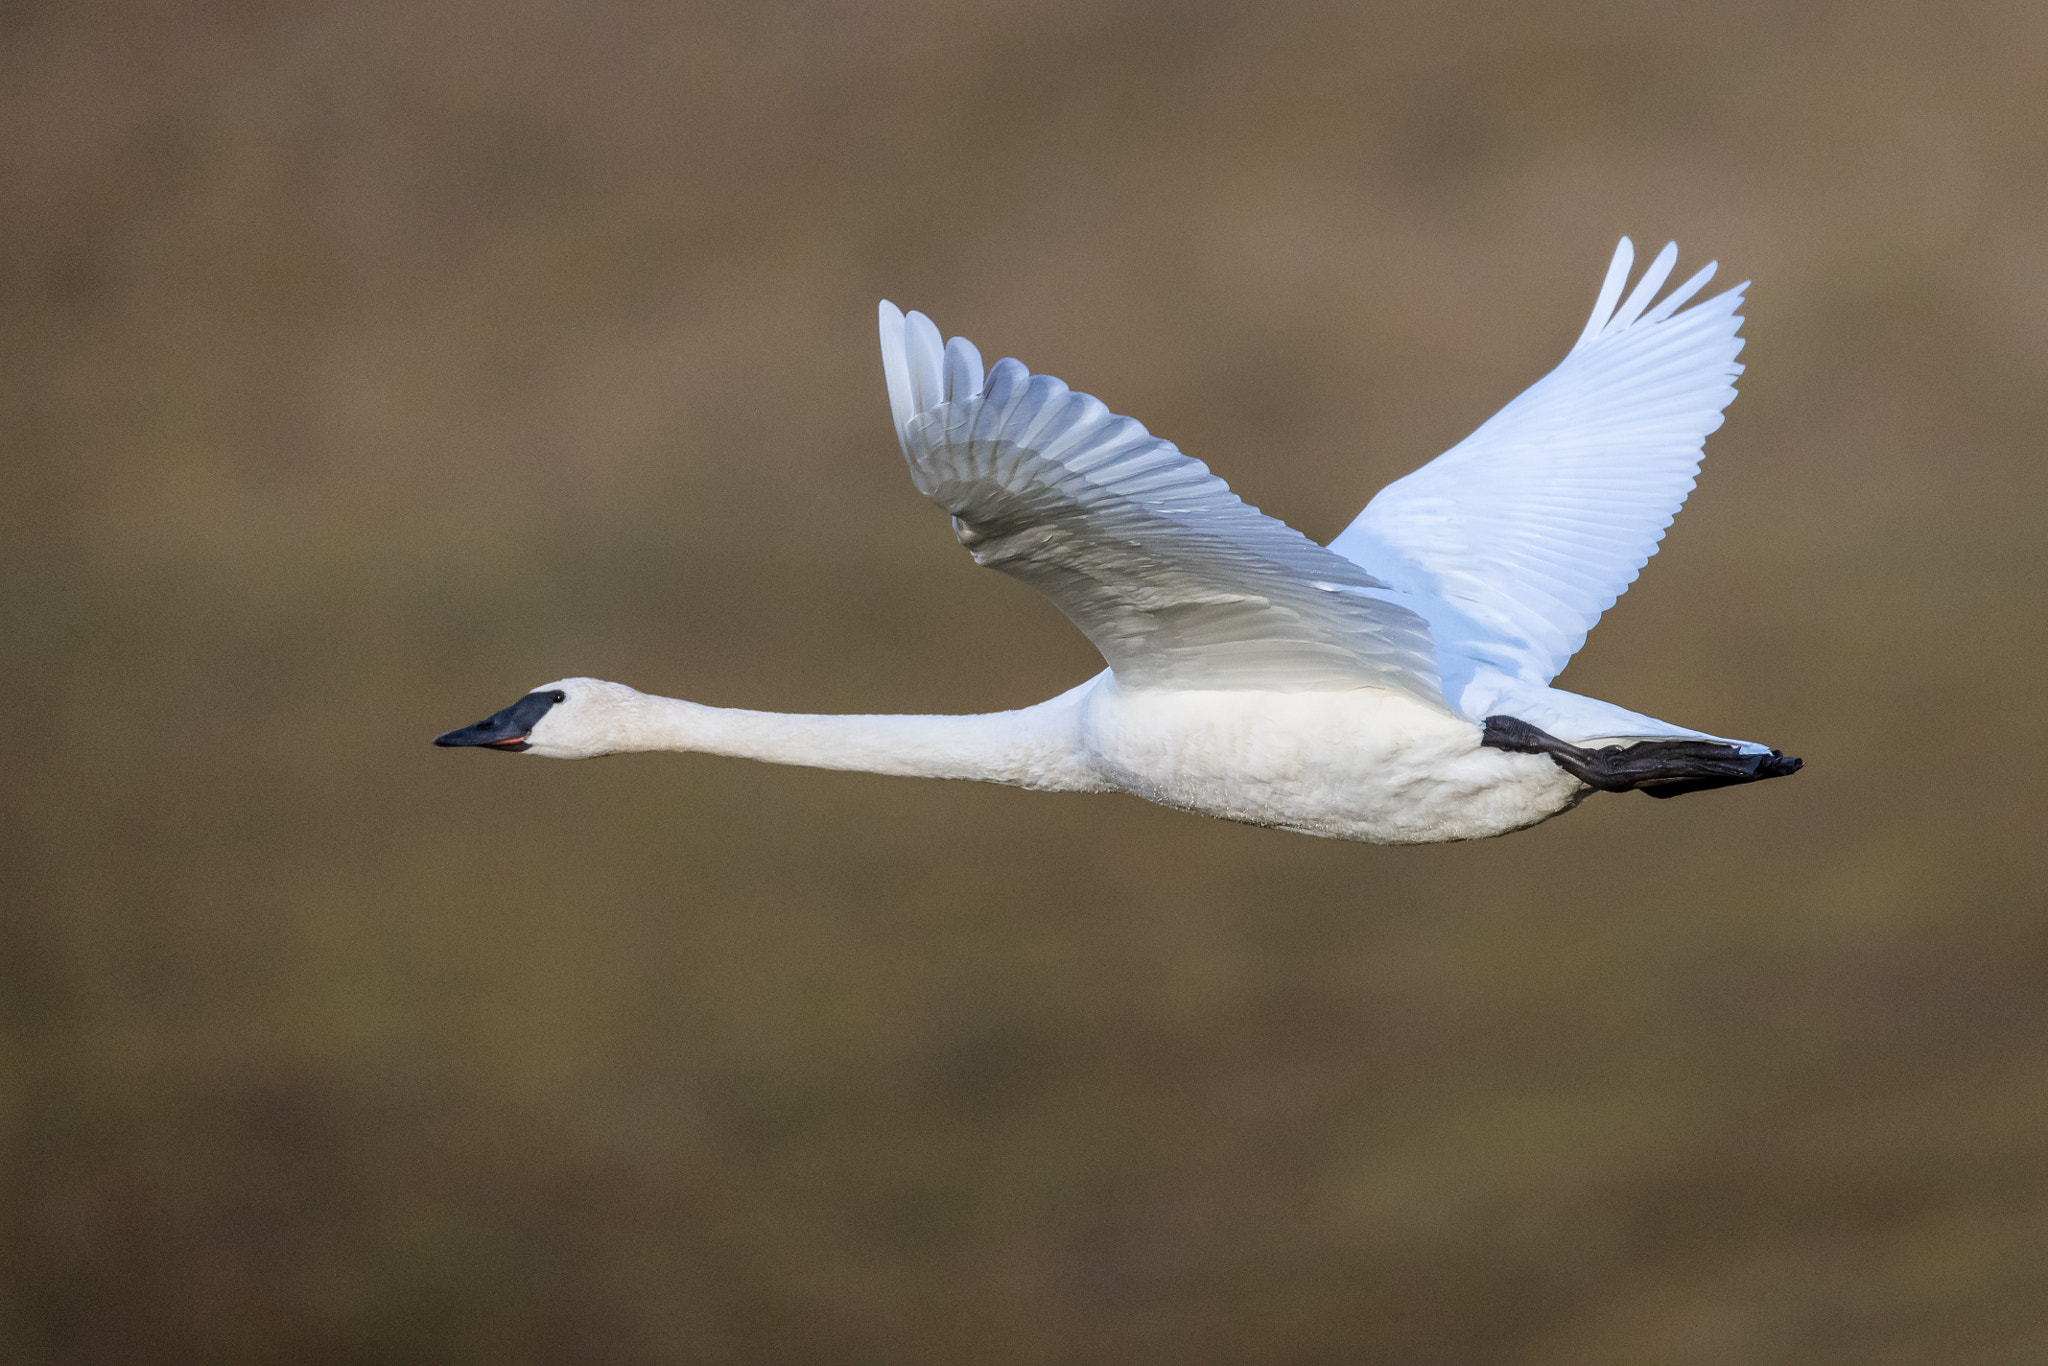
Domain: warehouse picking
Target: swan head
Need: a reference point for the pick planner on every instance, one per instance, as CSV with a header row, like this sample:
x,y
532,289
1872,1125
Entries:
x,y
572,718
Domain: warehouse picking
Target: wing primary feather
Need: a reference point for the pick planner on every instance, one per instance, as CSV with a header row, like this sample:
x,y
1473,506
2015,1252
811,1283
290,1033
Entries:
x,y
1646,289
1675,300
963,370
896,370
1610,290
999,394
926,350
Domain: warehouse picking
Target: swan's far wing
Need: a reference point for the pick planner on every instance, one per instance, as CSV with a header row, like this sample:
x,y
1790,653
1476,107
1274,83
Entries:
x,y
1175,579
1533,525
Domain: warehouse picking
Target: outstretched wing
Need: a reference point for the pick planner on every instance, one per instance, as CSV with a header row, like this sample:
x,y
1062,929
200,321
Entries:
x,y
1175,579
1531,527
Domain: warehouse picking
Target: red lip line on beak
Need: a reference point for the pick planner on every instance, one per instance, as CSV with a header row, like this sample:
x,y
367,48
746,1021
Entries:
x,y
506,743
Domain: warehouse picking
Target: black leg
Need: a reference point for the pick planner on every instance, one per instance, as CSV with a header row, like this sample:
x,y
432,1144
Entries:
x,y
1661,768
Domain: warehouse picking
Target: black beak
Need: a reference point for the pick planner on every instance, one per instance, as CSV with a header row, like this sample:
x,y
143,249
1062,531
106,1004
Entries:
x,y
507,729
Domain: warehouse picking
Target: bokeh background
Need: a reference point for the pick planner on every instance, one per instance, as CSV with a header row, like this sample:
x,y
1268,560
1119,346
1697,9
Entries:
x,y
363,365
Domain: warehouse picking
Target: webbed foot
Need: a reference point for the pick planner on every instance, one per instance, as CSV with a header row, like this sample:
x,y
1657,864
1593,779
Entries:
x,y
1661,768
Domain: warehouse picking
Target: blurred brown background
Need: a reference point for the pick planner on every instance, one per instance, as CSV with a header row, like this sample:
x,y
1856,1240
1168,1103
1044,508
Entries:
x,y
364,365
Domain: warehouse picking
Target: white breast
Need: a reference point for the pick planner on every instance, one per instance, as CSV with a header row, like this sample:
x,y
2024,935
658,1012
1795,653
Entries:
x,y
1361,764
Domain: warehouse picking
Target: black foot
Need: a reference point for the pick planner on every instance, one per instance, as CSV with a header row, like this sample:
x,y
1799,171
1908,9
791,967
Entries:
x,y
1662,768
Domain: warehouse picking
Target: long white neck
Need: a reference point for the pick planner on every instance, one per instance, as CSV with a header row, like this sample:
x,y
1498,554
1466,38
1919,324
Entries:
x,y
1037,747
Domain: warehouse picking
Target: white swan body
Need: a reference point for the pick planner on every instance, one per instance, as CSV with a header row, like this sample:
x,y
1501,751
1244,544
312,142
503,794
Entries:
x,y
1392,688
1359,764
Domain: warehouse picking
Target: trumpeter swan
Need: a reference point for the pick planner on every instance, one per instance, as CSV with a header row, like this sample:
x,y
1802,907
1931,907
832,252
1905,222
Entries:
x,y
1393,687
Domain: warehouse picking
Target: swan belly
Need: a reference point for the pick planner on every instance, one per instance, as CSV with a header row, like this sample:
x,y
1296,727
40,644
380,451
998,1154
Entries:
x,y
1364,764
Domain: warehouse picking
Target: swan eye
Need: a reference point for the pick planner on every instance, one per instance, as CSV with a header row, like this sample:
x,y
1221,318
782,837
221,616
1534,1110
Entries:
x,y
559,696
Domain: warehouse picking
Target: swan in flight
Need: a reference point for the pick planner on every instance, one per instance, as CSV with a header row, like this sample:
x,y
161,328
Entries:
x,y
1392,687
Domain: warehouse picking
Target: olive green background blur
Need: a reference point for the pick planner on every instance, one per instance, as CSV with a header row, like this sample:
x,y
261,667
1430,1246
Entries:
x,y
365,365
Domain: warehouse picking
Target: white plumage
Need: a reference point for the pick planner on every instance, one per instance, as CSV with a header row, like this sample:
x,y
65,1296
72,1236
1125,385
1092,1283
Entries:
x,y
1532,526
1393,687
1169,573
